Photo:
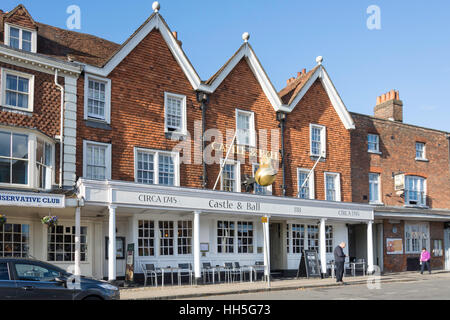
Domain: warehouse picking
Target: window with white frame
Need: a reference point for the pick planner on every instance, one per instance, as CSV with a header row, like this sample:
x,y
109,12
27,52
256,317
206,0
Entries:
x,y
225,236
146,238
417,236
245,126
373,143
44,164
288,238
307,191
156,167
329,239
313,237
175,113
317,140
14,240
20,38
230,179
61,243
415,191
14,158
17,90
97,162
97,98
298,238
332,187
374,188
166,238
420,151
245,237
184,237
258,188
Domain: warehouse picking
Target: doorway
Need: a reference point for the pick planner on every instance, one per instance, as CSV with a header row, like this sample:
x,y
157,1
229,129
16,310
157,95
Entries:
x,y
447,248
276,247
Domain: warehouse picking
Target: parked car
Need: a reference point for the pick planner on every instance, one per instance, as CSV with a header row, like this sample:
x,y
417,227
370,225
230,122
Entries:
x,y
27,279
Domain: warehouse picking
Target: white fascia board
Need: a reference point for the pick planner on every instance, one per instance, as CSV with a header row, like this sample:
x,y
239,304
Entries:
x,y
172,43
335,99
36,60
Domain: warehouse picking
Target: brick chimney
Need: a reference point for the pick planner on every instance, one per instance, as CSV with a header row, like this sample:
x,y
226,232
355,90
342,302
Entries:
x,y
175,35
389,106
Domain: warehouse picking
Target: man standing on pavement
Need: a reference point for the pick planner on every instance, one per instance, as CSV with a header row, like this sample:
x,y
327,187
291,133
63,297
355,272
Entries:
x,y
339,258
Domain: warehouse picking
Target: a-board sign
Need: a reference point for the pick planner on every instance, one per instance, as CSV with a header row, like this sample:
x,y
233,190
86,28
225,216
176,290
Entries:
x,y
129,272
309,265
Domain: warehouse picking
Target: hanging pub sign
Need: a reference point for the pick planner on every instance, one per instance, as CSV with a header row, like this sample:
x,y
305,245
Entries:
x,y
309,265
129,271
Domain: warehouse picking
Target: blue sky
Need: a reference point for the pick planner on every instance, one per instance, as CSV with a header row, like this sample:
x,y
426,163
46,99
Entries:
x,y
410,52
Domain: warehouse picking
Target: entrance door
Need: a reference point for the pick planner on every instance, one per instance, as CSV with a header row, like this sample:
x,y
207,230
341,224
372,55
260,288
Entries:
x,y
120,256
447,248
276,249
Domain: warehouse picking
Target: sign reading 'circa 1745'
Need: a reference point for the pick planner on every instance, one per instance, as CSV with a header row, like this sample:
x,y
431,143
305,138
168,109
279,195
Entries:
x,y
32,200
257,206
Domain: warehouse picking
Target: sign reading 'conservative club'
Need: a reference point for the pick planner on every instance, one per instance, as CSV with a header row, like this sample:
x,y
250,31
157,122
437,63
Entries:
x,y
32,200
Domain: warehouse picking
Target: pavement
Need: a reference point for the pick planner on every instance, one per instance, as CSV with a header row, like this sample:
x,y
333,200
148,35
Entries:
x,y
196,291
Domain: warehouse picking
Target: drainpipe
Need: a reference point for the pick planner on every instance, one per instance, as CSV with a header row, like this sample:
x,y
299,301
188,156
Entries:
x,y
204,99
281,117
61,148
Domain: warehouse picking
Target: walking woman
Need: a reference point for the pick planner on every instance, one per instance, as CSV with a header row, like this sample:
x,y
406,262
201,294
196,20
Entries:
x,y
425,260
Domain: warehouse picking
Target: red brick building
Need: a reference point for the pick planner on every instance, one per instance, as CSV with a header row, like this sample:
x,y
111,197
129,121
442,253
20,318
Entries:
x,y
412,211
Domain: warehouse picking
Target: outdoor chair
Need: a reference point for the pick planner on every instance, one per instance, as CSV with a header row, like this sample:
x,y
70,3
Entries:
x,y
259,266
237,270
150,272
185,270
207,272
228,268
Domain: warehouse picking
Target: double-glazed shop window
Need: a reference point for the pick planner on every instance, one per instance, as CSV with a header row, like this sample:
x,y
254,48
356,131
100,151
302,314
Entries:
x,y
228,238
306,237
156,167
61,243
417,236
14,240
175,237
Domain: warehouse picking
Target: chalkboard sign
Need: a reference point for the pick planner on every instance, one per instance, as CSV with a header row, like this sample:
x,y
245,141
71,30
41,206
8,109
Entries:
x,y
309,265
129,272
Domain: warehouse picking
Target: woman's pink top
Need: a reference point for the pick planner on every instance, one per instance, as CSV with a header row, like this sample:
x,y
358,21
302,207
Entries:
x,y
424,256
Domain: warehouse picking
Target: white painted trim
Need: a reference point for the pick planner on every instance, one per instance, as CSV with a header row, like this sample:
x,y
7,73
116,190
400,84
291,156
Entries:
x,y
337,181
237,172
311,182
323,138
107,83
156,153
30,77
33,36
252,138
108,158
183,131
335,99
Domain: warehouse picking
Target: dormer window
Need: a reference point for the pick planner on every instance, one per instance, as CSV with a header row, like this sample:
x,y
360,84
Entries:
x,y
20,38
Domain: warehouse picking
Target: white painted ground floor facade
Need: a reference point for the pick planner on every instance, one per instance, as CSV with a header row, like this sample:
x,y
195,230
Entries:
x,y
172,225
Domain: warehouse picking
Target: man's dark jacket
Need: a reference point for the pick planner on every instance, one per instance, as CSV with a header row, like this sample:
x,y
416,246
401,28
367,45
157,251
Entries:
x,y
339,255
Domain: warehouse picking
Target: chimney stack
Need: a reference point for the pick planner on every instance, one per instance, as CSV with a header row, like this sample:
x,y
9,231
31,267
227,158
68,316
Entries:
x,y
389,106
175,35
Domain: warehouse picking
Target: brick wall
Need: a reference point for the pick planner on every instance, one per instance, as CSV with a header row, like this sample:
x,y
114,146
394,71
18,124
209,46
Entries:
x,y
316,107
398,151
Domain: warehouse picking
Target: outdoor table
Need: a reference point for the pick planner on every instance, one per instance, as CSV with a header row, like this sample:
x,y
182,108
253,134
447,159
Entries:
x,y
171,269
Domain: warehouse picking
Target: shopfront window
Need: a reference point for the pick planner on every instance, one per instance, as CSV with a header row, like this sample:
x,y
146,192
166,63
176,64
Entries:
x,y
329,239
417,236
298,238
14,240
166,238
184,237
146,238
225,236
245,237
313,238
61,244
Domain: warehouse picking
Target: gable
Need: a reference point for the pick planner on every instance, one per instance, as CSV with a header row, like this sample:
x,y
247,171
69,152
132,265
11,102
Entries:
x,y
19,16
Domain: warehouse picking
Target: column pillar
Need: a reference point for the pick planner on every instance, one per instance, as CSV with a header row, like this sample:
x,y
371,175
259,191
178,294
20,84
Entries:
x,y
112,244
197,269
77,241
369,247
266,248
322,246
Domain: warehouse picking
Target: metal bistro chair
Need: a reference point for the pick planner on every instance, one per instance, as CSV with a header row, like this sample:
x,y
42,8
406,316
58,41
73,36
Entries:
x,y
237,270
228,268
207,271
185,269
259,266
150,272
360,265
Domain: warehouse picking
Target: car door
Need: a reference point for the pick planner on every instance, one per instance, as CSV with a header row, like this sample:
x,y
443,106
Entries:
x,y
8,288
36,281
